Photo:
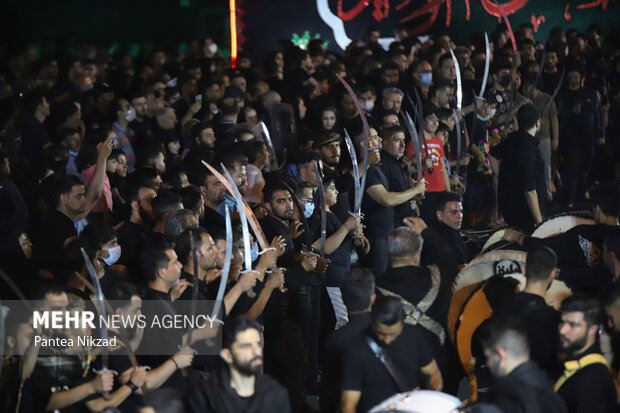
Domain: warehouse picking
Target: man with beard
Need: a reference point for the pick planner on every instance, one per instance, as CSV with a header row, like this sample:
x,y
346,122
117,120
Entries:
x,y
235,164
519,386
213,194
240,386
132,233
204,145
586,384
329,148
390,357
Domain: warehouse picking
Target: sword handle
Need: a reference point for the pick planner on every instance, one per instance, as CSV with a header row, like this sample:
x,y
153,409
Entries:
x,y
106,394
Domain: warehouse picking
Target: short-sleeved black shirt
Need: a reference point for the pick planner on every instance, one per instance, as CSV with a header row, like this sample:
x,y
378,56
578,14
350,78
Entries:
x,y
48,248
379,219
398,181
522,169
362,371
338,260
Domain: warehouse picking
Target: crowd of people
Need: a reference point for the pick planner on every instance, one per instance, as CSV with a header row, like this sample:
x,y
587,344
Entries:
x,y
374,176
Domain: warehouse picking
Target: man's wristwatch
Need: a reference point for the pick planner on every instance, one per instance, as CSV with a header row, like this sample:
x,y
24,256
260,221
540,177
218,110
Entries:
x,y
132,386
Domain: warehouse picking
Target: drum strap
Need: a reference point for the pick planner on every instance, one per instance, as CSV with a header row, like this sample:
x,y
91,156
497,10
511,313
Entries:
x,y
416,314
388,364
573,366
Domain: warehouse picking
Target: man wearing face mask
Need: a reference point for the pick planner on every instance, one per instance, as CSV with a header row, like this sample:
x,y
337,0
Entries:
x,y
521,188
422,76
500,94
102,237
123,114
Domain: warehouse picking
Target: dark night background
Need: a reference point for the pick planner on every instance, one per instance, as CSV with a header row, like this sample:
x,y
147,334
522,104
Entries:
x,y
46,24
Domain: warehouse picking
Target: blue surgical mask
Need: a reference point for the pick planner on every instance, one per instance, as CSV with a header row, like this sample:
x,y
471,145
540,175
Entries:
x,y
254,252
491,114
114,254
309,209
426,79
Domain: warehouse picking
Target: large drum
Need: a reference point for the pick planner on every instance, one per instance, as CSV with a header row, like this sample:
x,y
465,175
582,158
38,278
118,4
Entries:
x,y
419,401
480,286
559,224
554,225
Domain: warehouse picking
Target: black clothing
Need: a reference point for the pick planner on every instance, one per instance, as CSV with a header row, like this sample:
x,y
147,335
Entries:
x,y
453,238
130,237
297,276
362,370
522,169
525,390
213,221
591,389
164,341
333,354
579,247
215,395
50,240
540,322
398,181
34,138
339,259
379,219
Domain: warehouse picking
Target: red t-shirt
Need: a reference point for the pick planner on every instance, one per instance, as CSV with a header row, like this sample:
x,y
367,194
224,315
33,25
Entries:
x,y
435,179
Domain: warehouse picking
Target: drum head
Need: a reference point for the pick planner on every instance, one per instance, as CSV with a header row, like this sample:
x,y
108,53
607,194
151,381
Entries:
x,y
560,224
419,401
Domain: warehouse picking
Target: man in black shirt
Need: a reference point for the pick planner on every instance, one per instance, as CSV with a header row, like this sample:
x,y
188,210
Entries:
x,y
449,217
586,384
73,202
132,233
522,188
540,321
213,194
379,202
162,271
519,386
367,380
392,167
358,294
240,386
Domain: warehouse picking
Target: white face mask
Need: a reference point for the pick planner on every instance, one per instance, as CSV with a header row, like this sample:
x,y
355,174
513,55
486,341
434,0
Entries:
x,y
491,114
254,252
131,115
212,48
367,105
114,254
309,209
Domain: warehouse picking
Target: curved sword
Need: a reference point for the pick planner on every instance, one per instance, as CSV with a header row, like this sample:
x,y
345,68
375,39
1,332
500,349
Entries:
x,y
416,143
321,192
355,168
366,131
508,25
421,135
487,65
274,161
247,249
457,125
102,313
459,86
226,269
256,228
